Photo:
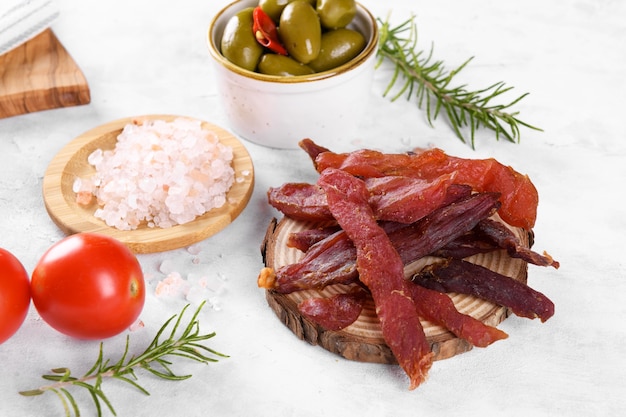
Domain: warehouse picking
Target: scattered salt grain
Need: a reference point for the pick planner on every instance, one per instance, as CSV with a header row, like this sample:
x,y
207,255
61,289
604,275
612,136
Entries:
x,y
160,174
166,266
214,285
136,325
194,249
172,285
216,303
197,296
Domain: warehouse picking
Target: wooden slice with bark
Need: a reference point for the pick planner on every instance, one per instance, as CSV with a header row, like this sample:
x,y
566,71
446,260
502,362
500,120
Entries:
x,y
362,340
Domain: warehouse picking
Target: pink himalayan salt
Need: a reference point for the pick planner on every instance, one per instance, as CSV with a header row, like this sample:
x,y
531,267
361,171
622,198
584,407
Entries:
x,y
160,174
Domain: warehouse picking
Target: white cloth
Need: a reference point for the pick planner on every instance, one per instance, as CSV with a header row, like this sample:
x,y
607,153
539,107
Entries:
x,y
22,20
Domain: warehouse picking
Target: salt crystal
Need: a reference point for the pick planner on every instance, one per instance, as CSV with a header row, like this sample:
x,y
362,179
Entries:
x,y
215,303
196,295
194,249
166,267
162,174
172,285
136,325
213,284
95,157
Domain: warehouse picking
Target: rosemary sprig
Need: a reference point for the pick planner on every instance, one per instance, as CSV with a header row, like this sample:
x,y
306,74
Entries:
x,y
430,82
154,359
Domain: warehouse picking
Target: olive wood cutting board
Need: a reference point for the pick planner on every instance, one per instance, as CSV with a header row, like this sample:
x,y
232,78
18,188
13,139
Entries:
x,y
362,341
40,75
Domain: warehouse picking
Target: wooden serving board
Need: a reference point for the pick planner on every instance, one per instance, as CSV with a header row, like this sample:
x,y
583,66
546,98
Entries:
x,y
362,340
40,75
71,217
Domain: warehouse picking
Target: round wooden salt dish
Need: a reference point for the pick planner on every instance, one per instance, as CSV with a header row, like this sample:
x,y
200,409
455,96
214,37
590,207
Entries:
x,y
69,216
362,341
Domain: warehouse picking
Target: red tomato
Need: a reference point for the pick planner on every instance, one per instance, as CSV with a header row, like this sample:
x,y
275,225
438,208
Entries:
x,y
14,294
88,286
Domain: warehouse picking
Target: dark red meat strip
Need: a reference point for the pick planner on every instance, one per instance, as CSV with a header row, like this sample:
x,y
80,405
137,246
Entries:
x,y
518,194
300,201
439,308
441,227
506,239
382,271
469,244
330,261
393,198
333,259
455,275
304,239
336,312
404,199
312,149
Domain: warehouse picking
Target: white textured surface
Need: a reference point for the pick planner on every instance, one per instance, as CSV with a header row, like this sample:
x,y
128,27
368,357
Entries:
x,y
145,57
22,20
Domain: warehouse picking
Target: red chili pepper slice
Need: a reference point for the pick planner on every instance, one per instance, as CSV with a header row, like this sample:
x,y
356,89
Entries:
x,y
265,31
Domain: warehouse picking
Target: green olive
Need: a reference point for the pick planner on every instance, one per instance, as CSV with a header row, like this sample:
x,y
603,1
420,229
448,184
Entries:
x,y
336,13
273,8
338,47
238,44
300,31
274,64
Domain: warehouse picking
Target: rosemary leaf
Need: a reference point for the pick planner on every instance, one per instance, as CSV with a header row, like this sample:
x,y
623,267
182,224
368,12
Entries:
x,y
180,343
417,75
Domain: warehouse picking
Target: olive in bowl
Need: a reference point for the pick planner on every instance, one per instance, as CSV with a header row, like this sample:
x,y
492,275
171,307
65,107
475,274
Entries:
x,y
276,98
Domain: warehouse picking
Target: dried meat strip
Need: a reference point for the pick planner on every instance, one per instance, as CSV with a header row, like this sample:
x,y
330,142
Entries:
x,y
399,199
300,201
304,239
382,271
336,312
330,261
467,245
333,260
442,226
312,149
454,275
439,308
519,196
405,199
506,239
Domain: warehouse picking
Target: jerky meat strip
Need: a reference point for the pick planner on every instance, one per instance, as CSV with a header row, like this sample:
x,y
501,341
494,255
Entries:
x,y
393,198
336,312
454,275
382,271
333,259
519,196
505,239
439,308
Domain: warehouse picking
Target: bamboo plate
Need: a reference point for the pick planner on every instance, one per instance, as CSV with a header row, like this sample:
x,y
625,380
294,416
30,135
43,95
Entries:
x,y
362,340
71,162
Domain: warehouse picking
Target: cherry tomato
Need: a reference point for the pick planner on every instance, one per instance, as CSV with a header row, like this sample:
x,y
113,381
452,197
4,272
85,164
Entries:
x,y
14,295
88,286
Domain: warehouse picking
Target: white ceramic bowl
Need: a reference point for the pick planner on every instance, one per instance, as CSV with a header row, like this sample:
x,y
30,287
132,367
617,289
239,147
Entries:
x,y
280,111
